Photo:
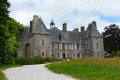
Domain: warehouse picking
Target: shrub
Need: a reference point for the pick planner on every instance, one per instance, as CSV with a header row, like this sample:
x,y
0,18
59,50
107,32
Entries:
x,y
28,61
51,59
47,59
24,61
39,60
0,61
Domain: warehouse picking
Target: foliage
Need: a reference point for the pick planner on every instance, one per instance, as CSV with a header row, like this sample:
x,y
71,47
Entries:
x,y
111,38
4,5
51,59
118,53
2,76
28,61
89,68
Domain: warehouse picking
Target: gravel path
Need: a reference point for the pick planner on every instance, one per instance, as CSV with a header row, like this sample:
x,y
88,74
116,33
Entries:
x,y
34,72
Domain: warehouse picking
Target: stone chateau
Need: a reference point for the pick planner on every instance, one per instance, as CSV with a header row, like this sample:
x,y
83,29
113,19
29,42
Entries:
x,y
38,40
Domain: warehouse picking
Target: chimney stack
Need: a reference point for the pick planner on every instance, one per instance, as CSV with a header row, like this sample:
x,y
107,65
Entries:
x,y
34,22
76,30
65,27
82,28
94,22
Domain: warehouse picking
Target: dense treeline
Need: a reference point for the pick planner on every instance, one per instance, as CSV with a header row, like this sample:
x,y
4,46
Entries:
x,y
112,39
10,31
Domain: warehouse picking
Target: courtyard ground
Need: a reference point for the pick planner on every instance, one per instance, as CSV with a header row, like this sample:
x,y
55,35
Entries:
x,y
33,72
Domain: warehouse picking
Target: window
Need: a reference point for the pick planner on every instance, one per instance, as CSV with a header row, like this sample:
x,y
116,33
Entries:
x,y
68,55
43,35
42,42
67,46
82,55
58,55
58,46
77,46
97,45
73,46
42,30
43,54
73,55
78,55
87,46
97,54
52,54
63,46
52,45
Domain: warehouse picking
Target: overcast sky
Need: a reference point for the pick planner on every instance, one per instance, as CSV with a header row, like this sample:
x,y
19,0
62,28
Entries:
x,y
75,13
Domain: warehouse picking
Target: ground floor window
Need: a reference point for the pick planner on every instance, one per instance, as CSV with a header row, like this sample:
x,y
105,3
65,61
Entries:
x,y
58,55
97,54
74,55
52,54
68,55
63,55
43,54
78,55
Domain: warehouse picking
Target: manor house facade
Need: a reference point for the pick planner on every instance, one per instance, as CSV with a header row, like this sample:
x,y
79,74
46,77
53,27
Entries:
x,y
38,40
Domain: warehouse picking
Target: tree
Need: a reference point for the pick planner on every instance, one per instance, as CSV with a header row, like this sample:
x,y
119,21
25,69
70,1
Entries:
x,y
9,34
4,5
111,38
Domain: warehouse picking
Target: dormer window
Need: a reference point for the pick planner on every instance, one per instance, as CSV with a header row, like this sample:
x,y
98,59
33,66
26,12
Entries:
x,y
42,30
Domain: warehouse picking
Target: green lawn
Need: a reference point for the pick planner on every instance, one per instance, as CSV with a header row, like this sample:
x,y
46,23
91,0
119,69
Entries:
x,y
2,76
89,68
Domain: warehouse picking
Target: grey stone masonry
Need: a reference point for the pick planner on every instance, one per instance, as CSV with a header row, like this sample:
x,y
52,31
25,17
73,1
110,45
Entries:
x,y
38,40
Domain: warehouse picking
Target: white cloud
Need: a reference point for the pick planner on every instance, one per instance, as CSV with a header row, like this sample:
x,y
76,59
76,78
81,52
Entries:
x,y
62,10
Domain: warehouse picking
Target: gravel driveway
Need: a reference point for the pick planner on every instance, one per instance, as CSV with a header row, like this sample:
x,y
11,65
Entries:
x,y
34,72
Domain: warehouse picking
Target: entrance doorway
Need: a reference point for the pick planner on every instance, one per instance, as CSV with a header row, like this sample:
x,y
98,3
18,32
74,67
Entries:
x,y
63,55
27,50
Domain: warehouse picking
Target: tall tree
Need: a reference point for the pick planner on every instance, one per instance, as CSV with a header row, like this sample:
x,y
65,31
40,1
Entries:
x,y
9,34
4,5
112,38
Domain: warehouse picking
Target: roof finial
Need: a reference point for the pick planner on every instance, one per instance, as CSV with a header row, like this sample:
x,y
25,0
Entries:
x,y
52,24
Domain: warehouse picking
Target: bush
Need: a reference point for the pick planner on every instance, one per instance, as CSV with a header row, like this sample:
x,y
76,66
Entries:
x,y
24,61
47,59
0,61
39,60
51,59
28,61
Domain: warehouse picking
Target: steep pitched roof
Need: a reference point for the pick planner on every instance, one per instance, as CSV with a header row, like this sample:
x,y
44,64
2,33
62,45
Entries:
x,y
25,34
39,26
92,31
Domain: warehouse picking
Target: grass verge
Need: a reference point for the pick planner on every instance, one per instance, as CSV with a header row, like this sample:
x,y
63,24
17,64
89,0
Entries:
x,y
89,68
2,76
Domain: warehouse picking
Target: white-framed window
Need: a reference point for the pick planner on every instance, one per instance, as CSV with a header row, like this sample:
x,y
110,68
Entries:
x,y
43,54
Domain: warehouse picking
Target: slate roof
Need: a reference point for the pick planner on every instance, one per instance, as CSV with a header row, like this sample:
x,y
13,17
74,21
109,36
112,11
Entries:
x,y
70,36
59,36
25,34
